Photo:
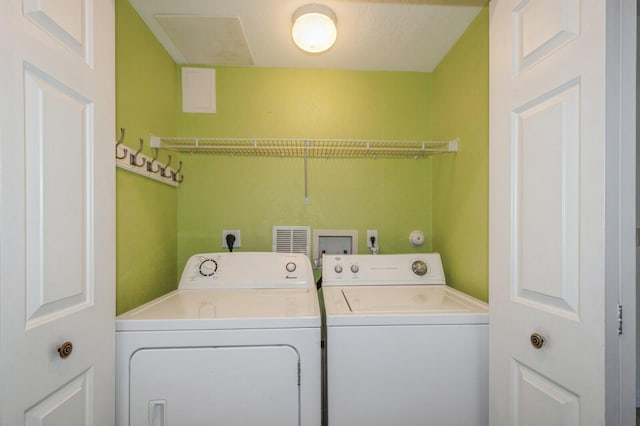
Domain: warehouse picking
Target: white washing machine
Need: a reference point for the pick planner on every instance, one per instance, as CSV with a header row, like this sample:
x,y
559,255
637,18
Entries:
x,y
238,343
403,348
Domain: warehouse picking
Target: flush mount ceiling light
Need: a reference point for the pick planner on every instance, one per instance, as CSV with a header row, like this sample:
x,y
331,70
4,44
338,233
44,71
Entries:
x,y
314,28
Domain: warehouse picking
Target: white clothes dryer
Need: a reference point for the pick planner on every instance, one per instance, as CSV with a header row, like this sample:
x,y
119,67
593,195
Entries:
x,y
403,348
238,343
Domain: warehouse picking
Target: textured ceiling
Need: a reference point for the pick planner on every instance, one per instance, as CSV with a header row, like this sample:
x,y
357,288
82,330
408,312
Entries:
x,y
401,35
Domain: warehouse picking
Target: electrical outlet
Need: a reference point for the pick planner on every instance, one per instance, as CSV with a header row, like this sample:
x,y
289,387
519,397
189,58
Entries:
x,y
235,233
372,233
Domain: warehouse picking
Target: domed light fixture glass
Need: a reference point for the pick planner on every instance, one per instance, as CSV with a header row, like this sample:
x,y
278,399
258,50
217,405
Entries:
x,y
314,28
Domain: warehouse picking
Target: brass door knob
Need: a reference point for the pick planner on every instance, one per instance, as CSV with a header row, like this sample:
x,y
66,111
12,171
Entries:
x,y
537,341
64,350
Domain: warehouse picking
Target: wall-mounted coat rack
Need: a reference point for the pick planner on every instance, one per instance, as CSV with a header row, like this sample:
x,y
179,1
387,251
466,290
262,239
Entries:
x,y
143,165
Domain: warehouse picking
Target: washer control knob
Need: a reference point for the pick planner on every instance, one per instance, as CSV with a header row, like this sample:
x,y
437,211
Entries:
x,y
355,269
419,267
338,269
291,267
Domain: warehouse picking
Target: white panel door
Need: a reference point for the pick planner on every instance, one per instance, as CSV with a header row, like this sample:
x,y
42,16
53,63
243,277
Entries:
x,y
559,203
57,212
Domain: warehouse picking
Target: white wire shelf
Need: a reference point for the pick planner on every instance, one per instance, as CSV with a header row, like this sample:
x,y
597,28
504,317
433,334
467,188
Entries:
x,y
308,148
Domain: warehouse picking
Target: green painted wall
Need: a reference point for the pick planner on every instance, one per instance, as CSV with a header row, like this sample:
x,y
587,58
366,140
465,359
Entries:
x,y
146,211
298,103
253,194
461,182
159,227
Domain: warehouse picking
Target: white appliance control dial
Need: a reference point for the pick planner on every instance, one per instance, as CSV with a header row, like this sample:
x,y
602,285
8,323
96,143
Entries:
x,y
355,269
338,269
291,267
419,267
208,267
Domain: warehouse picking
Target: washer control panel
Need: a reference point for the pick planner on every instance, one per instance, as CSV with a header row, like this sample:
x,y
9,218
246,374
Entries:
x,y
247,270
384,269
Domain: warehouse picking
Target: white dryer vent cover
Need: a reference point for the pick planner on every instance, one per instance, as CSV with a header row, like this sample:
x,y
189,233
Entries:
x,y
292,239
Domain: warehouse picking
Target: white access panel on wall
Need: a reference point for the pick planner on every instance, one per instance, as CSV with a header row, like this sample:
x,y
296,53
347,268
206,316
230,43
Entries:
x,y
198,90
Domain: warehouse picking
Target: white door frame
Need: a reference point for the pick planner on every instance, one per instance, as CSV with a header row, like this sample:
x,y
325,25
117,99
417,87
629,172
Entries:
x,y
620,249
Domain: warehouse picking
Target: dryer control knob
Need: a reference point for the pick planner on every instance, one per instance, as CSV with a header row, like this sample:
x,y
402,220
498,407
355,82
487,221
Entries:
x,y
291,267
208,267
355,269
419,267
338,269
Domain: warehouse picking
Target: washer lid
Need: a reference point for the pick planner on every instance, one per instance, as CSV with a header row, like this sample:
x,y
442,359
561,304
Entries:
x,y
418,304
217,309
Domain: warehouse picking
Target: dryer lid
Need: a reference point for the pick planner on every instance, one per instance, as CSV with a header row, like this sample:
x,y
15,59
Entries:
x,y
215,309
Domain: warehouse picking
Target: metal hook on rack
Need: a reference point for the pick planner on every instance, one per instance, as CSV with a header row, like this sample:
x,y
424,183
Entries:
x,y
133,158
164,168
177,173
118,143
153,160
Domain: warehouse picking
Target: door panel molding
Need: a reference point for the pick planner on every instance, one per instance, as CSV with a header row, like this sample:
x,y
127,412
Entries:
x,y
537,400
68,21
560,23
70,404
59,133
545,170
